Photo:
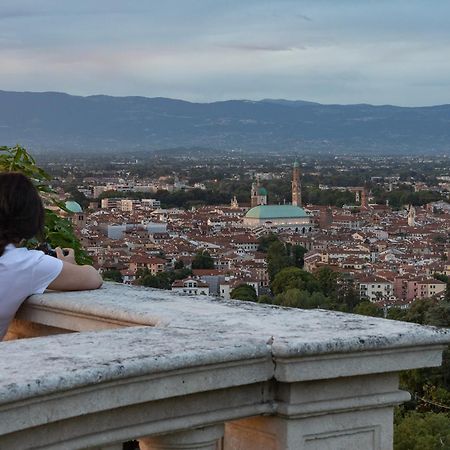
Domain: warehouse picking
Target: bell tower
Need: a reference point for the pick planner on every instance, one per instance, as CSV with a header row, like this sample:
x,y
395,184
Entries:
x,y
296,185
258,194
411,216
254,194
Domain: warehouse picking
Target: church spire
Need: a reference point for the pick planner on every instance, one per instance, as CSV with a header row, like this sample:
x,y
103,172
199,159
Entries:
x,y
296,185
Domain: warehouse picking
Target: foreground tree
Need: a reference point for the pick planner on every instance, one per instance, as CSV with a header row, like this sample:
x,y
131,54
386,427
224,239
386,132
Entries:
x,y
265,241
367,308
112,275
293,277
202,260
244,292
58,231
296,254
162,280
417,431
277,258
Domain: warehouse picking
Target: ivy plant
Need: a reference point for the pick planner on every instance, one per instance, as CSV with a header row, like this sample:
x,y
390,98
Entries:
x,y
58,231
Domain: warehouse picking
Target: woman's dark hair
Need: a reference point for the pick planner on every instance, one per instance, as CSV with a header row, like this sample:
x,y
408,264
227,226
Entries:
x,y
21,210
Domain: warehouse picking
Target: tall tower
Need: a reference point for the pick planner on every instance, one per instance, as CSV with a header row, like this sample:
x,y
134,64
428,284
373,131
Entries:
x,y
411,216
296,186
364,199
254,194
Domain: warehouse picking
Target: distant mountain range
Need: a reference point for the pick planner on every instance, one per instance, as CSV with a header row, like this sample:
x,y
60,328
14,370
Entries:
x,y
55,121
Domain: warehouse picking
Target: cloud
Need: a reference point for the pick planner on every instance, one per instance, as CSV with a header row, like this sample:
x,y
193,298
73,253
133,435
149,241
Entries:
x,y
18,14
329,51
304,17
263,47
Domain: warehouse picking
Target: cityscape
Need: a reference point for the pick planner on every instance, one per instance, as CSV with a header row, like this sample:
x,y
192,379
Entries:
x,y
392,253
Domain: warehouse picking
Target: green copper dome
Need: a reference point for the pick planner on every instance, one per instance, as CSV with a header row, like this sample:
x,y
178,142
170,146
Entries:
x,y
296,164
269,212
262,191
74,207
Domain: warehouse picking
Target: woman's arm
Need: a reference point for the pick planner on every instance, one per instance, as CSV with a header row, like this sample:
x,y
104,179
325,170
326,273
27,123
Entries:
x,y
74,277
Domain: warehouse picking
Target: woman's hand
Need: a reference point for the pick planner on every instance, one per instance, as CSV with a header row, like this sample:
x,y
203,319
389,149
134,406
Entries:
x,y
68,257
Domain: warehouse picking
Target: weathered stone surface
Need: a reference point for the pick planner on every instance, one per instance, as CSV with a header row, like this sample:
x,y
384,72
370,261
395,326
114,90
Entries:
x,y
150,362
293,331
64,362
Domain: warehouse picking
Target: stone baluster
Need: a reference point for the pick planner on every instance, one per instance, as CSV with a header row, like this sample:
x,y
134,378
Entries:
x,y
207,438
349,413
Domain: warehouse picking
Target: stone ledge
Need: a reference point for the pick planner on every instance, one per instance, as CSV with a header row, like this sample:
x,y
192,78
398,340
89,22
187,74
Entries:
x,y
294,332
212,360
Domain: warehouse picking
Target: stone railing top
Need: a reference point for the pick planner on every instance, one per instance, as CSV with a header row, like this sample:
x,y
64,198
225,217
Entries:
x,y
202,332
291,331
67,361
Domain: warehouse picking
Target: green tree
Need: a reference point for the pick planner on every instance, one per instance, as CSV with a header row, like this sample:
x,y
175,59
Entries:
x,y
58,231
265,241
417,431
319,300
438,314
266,299
113,194
179,264
112,275
277,258
347,295
418,310
292,297
202,260
367,308
244,292
159,281
293,277
297,253
327,280
396,314
162,280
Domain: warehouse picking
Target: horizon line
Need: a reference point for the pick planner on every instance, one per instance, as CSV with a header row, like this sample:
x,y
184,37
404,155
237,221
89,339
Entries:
x,y
262,100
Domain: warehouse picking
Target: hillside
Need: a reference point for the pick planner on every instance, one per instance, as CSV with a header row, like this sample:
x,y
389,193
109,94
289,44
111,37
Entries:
x,y
56,121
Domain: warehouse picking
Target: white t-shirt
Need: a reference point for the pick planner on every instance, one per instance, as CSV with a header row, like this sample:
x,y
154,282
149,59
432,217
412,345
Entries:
x,y
23,272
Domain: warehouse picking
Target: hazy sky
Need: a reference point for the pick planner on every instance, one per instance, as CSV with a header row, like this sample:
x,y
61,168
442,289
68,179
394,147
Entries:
x,y
330,51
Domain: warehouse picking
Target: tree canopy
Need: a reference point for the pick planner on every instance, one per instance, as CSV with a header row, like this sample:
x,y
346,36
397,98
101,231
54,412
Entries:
x,y
202,260
418,431
244,292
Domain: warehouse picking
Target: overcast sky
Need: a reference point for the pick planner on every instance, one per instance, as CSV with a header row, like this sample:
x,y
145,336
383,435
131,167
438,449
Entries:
x,y
329,51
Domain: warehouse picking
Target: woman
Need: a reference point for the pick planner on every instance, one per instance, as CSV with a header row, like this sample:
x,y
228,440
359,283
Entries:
x,y
25,272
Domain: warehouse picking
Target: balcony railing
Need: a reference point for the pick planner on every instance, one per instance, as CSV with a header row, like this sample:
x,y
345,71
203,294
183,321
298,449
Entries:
x,y
178,372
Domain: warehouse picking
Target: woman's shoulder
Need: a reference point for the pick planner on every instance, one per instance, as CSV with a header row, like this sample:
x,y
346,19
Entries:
x,y
13,251
16,255
39,268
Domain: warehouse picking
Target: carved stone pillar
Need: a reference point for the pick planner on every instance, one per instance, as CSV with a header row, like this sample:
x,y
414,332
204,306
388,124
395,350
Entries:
x,y
207,438
348,413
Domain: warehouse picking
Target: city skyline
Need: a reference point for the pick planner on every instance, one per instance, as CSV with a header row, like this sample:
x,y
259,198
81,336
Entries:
x,y
203,51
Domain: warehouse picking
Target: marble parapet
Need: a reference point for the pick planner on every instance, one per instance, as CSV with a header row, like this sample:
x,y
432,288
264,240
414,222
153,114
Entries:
x,y
122,350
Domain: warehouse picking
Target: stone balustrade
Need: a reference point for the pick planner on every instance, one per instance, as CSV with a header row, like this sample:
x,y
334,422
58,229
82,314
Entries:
x,y
180,372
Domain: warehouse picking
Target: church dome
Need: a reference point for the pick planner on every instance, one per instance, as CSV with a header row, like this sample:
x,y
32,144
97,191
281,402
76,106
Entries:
x,y
269,212
73,207
262,191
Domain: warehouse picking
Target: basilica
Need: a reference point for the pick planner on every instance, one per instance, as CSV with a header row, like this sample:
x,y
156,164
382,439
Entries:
x,y
279,217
